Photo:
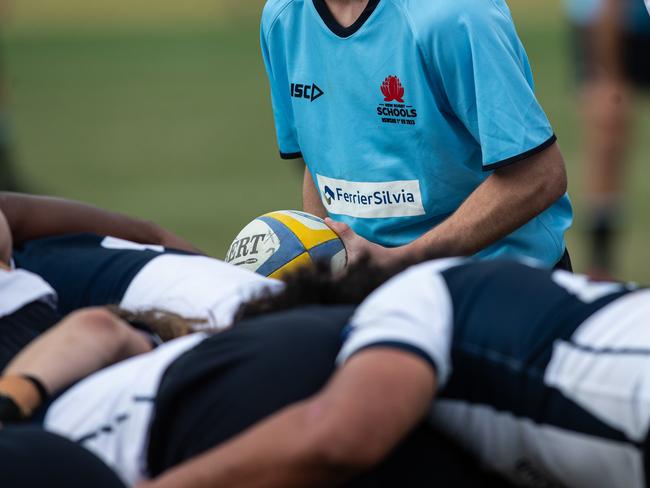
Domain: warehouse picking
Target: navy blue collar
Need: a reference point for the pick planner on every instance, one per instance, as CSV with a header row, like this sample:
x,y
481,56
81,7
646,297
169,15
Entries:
x,y
325,14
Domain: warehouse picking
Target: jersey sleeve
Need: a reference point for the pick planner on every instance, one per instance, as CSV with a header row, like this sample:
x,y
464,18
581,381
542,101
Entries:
x,y
487,81
276,69
411,312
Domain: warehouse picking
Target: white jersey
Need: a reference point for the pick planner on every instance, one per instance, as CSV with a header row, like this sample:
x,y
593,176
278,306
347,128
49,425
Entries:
x,y
19,288
543,376
195,287
87,269
110,412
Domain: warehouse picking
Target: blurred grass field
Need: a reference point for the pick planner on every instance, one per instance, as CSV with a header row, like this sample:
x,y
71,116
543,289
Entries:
x,y
160,109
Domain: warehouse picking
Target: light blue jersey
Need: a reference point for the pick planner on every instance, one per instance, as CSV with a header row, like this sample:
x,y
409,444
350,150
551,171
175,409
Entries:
x,y
401,116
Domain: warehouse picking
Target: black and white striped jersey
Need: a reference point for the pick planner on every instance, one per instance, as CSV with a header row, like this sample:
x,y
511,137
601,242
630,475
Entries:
x,y
542,374
27,309
87,270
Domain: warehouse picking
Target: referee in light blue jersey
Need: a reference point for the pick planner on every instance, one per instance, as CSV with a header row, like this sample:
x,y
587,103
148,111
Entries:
x,y
419,127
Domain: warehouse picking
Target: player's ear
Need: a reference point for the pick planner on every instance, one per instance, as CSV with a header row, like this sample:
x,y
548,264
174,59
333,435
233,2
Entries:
x,y
6,243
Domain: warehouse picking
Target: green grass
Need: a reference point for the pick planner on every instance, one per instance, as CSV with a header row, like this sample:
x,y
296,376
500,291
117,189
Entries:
x,y
174,126
545,36
174,123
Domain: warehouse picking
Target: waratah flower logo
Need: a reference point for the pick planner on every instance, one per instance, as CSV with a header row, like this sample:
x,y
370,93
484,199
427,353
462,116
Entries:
x,y
392,89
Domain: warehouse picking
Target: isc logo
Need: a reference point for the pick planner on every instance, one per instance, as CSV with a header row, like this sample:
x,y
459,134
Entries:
x,y
308,92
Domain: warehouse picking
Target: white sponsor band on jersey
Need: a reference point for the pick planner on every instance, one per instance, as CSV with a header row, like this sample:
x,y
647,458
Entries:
x,y
371,200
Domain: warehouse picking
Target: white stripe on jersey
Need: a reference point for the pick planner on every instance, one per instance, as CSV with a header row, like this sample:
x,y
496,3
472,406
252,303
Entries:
x,y
606,367
195,287
647,4
537,455
19,288
110,412
423,318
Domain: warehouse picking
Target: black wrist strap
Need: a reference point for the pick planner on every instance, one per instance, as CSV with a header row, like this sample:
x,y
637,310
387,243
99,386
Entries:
x,y
40,387
9,410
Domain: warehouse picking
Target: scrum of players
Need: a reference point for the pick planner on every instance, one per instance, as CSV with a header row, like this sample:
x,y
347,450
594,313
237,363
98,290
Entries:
x,y
131,359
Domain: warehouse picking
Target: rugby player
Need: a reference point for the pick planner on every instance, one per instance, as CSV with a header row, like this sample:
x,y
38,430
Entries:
x,y
610,41
419,127
208,393
537,390
155,410
542,375
28,307
133,263
93,270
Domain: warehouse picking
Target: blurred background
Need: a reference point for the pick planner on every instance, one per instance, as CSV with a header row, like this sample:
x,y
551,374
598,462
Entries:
x,y
160,109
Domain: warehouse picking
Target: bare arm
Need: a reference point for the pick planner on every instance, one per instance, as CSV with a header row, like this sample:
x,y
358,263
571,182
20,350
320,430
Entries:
x,y
311,201
508,199
505,201
82,343
31,217
369,406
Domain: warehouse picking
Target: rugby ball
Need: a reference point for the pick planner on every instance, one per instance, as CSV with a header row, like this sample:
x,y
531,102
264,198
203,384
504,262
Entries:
x,y
280,242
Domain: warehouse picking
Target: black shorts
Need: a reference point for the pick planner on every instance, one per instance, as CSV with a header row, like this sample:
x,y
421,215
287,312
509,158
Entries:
x,y
635,49
33,458
240,376
23,326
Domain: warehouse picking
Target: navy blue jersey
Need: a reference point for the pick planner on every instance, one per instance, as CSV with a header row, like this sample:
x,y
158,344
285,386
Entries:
x,y
27,309
86,269
506,319
539,372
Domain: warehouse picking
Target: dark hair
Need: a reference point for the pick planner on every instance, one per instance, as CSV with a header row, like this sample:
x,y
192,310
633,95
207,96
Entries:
x,y
166,325
318,285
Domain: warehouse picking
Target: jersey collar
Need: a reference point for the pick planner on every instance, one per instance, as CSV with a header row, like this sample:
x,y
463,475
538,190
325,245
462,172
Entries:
x,y
338,29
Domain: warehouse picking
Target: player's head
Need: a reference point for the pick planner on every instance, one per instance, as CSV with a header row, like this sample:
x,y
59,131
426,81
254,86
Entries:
x,y
6,243
165,325
320,286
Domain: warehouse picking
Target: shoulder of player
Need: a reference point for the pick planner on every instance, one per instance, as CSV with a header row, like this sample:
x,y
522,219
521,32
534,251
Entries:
x,y
439,17
415,277
438,265
20,287
273,9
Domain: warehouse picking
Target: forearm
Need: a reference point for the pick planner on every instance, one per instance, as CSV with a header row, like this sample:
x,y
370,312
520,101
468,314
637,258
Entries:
x,y
324,441
505,201
269,456
311,200
31,217
82,343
